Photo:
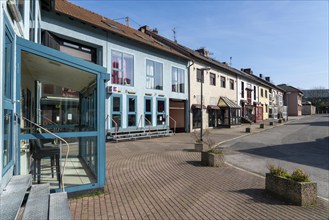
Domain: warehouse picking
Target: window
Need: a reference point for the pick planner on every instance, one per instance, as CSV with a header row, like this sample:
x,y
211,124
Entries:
x,y
122,68
265,93
222,81
116,111
148,111
261,93
255,93
20,5
132,112
212,115
266,108
154,74
177,80
199,76
196,112
212,79
231,84
161,112
242,89
69,47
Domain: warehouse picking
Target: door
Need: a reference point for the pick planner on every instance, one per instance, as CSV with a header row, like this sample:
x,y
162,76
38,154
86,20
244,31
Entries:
x,y
7,105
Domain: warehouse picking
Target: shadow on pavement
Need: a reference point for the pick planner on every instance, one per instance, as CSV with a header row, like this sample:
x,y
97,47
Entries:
x,y
261,196
195,163
318,123
308,153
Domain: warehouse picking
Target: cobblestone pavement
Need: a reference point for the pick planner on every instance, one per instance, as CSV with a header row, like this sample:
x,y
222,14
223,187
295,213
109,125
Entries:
x,y
162,179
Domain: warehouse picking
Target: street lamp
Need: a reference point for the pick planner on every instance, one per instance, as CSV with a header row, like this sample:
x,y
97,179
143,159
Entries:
x,y
202,79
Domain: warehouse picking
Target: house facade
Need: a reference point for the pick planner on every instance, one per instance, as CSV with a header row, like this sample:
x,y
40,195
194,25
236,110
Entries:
x,y
292,99
149,83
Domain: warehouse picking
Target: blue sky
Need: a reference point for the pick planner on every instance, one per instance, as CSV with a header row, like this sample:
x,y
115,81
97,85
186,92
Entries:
x,y
286,40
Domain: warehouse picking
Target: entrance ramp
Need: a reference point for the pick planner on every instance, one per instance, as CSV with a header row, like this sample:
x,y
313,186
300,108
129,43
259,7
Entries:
x,y
137,133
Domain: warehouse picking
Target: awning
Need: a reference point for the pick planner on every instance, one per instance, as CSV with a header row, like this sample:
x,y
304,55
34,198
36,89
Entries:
x,y
226,102
243,101
213,107
198,106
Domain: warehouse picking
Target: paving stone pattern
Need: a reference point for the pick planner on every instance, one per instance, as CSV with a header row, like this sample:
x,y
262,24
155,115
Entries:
x,y
163,179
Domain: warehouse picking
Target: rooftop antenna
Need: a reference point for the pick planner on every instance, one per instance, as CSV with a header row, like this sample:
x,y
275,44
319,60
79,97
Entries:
x,y
127,21
230,61
174,31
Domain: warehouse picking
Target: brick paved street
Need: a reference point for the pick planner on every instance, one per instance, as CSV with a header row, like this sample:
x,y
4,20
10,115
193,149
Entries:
x,y
162,179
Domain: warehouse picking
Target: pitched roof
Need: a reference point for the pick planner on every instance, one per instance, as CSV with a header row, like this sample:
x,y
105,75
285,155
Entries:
x,y
196,55
289,88
67,8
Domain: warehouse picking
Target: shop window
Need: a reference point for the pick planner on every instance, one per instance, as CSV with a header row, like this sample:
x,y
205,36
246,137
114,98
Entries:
x,y
161,112
223,82
132,110
196,114
177,80
122,68
211,118
148,111
154,75
116,110
212,79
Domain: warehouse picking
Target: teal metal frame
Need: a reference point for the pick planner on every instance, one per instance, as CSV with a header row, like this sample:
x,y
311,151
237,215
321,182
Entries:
x,y
150,112
116,112
7,102
101,78
131,113
161,113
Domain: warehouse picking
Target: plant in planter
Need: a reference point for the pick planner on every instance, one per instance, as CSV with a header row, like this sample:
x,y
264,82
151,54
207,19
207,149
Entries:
x,y
199,145
296,188
212,158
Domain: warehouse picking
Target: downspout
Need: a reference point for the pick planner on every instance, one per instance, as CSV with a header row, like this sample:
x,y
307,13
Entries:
x,y
189,97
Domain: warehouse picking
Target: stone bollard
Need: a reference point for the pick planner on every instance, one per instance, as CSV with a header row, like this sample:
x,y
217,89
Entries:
x,y
280,121
271,123
248,130
261,126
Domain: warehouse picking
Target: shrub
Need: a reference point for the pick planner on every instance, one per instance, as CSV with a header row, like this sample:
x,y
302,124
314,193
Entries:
x,y
300,176
215,151
278,171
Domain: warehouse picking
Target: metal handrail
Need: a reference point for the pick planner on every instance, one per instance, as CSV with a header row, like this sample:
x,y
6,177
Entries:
x,y
67,144
116,127
140,121
149,122
174,123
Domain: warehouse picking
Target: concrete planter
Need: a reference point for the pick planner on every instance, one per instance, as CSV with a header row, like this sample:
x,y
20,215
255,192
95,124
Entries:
x,y
298,193
212,160
248,130
199,147
261,126
280,121
271,123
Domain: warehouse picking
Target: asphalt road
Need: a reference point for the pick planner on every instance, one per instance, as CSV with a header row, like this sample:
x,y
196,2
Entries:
x,y
300,143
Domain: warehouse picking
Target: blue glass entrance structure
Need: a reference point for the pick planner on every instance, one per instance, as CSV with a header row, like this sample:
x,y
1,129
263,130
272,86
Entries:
x,y
65,95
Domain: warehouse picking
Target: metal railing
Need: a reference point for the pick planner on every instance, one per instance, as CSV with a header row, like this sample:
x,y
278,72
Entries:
x,y
174,123
67,144
149,123
116,126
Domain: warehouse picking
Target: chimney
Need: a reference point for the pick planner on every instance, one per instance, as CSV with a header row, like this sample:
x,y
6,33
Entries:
x,y
203,52
144,28
248,70
267,78
261,76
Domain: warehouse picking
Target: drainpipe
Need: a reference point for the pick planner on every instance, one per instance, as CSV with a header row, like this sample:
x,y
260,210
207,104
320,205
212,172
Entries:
x,y
189,95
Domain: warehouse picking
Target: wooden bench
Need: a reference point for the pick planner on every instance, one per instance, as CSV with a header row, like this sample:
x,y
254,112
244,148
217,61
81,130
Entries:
x,y
40,203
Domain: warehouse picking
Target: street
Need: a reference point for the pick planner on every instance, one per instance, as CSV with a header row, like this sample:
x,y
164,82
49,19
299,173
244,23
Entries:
x,y
300,143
